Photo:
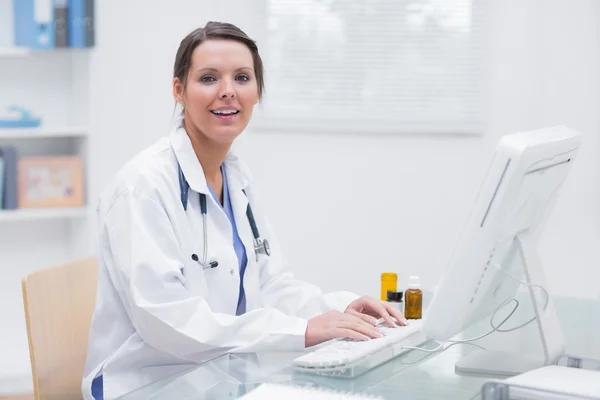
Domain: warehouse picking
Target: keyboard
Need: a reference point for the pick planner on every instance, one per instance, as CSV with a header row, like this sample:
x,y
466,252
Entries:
x,y
341,353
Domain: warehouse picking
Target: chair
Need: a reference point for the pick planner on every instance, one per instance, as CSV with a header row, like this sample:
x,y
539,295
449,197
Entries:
x,y
59,304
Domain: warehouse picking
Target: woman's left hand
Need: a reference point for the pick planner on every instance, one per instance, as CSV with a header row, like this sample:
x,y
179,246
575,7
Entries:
x,y
367,308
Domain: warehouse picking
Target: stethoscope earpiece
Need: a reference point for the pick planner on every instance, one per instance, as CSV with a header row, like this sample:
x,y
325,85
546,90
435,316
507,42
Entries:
x,y
211,264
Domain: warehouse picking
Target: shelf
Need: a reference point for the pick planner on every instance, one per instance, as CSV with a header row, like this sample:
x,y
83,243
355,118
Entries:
x,y
41,133
13,51
36,214
19,51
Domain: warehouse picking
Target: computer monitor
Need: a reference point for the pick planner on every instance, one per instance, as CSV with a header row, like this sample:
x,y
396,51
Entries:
x,y
499,241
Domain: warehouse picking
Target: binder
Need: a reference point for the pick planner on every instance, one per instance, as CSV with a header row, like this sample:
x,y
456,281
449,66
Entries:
x,y
61,23
34,23
11,192
81,23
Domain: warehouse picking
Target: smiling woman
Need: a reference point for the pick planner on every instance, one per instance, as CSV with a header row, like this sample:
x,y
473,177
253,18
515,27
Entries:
x,y
185,269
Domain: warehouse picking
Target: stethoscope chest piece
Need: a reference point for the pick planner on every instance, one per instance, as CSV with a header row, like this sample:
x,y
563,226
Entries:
x,y
261,247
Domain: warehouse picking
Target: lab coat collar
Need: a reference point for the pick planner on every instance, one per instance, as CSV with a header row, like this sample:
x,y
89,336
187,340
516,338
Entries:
x,y
192,169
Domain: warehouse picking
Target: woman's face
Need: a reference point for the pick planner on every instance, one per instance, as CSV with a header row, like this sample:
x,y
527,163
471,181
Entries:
x,y
221,90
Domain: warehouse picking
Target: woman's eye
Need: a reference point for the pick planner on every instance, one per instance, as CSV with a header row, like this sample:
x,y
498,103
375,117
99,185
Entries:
x,y
243,78
207,79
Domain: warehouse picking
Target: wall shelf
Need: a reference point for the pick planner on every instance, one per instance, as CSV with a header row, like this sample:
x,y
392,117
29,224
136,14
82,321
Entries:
x,y
13,51
16,51
36,214
41,133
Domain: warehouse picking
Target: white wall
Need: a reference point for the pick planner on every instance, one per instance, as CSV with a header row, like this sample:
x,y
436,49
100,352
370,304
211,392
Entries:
x,y
416,192
543,70
357,205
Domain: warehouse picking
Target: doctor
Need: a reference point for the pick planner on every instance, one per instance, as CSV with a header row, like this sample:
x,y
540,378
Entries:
x,y
189,268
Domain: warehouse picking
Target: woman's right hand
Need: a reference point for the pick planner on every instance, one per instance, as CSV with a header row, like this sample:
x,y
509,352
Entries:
x,y
335,324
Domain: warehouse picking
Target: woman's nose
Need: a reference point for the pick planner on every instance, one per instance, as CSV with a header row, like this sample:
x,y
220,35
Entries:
x,y
227,90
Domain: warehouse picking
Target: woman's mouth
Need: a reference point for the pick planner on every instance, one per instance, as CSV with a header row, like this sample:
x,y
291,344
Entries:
x,y
225,114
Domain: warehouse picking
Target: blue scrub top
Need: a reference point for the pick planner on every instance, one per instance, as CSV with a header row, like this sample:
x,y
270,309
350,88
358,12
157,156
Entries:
x,y
240,250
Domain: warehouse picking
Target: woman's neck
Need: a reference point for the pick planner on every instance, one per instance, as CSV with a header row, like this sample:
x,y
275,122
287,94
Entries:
x,y
210,155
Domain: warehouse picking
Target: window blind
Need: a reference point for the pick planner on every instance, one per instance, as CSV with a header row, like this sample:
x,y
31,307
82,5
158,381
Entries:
x,y
399,66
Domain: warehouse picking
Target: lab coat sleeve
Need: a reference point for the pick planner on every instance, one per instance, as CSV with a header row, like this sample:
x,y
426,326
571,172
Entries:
x,y
281,290
144,261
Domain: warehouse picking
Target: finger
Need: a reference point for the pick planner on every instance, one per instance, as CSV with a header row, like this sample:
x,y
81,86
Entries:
x,y
353,317
394,312
349,333
360,326
365,317
378,307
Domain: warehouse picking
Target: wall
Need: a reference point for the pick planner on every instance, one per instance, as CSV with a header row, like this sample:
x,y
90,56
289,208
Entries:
x,y
357,205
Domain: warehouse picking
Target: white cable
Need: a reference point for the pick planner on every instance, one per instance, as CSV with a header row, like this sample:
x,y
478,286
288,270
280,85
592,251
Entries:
x,y
495,328
467,341
531,285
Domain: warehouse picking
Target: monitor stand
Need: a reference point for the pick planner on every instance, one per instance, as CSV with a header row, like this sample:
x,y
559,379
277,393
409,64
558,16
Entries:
x,y
504,364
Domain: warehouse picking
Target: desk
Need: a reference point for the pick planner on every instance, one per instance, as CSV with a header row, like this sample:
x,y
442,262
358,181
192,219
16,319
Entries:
x,y
415,375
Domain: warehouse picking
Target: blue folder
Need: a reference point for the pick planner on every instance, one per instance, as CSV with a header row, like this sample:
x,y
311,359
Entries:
x,y
34,23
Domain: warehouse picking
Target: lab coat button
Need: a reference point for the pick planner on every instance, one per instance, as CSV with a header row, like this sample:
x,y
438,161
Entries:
x,y
231,272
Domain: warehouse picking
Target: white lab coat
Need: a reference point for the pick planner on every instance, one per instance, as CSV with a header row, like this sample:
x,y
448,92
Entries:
x,y
157,311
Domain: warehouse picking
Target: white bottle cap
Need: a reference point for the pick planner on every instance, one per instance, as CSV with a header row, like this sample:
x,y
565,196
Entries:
x,y
413,282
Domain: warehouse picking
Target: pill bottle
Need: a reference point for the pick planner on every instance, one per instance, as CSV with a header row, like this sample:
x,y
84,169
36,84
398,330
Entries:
x,y
389,281
413,298
395,299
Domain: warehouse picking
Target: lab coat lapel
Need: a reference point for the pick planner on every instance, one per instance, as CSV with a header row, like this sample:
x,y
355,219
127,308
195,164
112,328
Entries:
x,y
219,282
188,161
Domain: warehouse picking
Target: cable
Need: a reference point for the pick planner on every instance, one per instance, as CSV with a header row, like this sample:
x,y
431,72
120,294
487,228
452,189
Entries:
x,y
429,353
531,285
467,341
495,328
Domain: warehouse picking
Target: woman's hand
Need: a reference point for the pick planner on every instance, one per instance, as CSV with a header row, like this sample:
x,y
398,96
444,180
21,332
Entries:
x,y
335,324
367,308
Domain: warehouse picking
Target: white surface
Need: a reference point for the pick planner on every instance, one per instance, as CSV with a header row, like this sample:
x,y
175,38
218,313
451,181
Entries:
x,y
13,51
497,363
28,214
341,353
553,378
288,392
41,133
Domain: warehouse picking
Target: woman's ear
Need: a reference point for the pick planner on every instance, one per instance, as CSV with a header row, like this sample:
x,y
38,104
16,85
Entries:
x,y
178,90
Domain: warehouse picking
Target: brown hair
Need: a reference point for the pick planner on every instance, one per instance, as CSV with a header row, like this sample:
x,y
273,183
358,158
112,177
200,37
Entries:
x,y
215,30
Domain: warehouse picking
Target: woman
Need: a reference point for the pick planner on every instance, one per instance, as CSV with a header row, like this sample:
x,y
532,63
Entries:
x,y
180,281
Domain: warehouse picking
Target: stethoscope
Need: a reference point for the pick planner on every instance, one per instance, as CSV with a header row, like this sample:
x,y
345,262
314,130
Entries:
x,y
260,246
